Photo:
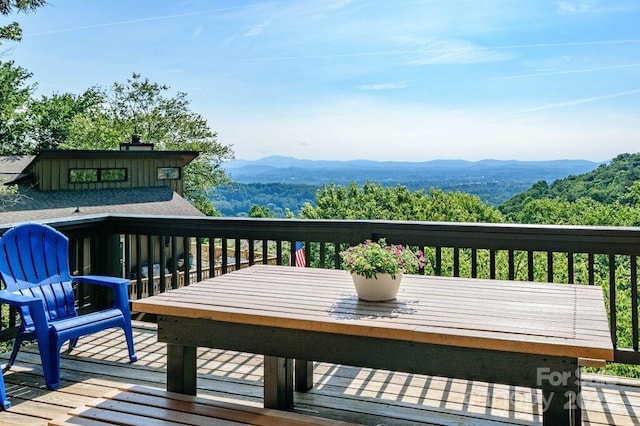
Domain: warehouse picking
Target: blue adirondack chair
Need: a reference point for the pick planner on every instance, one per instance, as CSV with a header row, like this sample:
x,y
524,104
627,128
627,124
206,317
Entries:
x,y
34,266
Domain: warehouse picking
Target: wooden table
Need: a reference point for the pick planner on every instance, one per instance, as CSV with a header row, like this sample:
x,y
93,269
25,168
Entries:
x,y
512,332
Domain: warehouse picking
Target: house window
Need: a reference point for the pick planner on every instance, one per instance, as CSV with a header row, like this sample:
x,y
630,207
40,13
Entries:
x,y
165,173
83,175
112,175
97,175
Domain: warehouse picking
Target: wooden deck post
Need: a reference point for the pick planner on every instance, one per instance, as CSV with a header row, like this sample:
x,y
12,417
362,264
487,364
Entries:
x,y
278,382
181,369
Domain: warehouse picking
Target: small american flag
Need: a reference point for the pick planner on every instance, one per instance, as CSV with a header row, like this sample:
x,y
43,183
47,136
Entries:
x,y
301,261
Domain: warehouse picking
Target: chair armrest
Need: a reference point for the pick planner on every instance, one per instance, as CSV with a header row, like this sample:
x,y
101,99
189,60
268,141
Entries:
x,y
120,288
19,300
36,311
113,282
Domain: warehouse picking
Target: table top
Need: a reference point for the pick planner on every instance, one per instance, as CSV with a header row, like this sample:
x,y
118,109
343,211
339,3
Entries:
x,y
514,316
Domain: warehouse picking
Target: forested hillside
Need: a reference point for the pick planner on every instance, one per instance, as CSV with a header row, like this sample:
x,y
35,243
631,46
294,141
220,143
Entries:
x,y
613,184
236,199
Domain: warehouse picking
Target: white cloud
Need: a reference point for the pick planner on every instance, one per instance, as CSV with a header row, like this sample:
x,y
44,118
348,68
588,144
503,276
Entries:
x,y
572,7
457,52
578,7
575,102
383,86
545,73
255,30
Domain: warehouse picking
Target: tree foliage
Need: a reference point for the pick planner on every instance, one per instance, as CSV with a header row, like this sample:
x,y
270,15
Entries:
x,y
608,184
13,31
15,94
260,211
110,116
373,201
102,118
52,120
282,199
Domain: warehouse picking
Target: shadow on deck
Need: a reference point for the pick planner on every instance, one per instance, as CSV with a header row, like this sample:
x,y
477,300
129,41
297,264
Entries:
x,y
99,364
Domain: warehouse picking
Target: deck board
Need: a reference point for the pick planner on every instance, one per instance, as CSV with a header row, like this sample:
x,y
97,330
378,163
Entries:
x,y
100,364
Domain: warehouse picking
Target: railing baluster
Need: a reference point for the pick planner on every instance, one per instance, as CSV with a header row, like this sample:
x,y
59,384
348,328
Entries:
x,y
163,263
238,254
265,251
279,252
73,265
570,278
550,266
591,264
212,256
492,264
474,262
174,262
127,255
307,253
251,253
613,317
225,257
322,250
530,265
634,301
186,267
150,262
512,265
456,261
292,253
138,266
198,259
438,268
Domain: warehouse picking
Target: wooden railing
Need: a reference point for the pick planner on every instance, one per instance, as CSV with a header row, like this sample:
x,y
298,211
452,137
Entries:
x,y
605,256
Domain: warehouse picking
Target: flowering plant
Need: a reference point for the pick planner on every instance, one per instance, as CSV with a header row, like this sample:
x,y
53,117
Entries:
x,y
369,258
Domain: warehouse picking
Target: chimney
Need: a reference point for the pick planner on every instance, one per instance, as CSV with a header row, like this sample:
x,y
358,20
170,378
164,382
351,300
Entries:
x,y
136,145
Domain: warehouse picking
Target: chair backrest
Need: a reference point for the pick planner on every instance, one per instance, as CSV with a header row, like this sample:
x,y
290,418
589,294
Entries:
x,y
34,261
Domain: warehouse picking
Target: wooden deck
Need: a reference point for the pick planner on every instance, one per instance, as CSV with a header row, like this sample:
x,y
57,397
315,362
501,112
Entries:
x,y
99,365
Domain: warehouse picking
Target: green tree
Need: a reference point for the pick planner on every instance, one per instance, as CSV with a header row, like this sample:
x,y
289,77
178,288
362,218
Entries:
x,y
260,211
608,184
140,107
584,211
15,94
13,31
373,201
52,119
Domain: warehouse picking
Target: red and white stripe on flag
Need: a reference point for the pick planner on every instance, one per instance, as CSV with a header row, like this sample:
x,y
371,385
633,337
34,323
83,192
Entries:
x,y
301,261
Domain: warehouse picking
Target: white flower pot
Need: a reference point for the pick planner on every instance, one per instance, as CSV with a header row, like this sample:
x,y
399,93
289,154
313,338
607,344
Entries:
x,y
377,289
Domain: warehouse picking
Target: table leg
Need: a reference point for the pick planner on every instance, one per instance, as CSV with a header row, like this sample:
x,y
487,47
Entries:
x,y
278,382
181,369
561,400
304,375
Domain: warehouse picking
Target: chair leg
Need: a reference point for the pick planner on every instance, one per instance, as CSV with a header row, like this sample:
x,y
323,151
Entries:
x,y
128,334
50,357
73,343
4,402
49,348
14,352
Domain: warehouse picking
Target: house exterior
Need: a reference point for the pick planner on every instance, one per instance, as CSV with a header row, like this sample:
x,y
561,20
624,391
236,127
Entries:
x,y
62,183
59,184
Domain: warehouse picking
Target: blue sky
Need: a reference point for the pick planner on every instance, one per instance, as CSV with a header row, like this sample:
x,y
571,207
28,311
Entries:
x,y
382,80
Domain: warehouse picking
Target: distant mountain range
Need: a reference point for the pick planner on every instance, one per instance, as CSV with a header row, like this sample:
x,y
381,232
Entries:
x,y
316,172
282,183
